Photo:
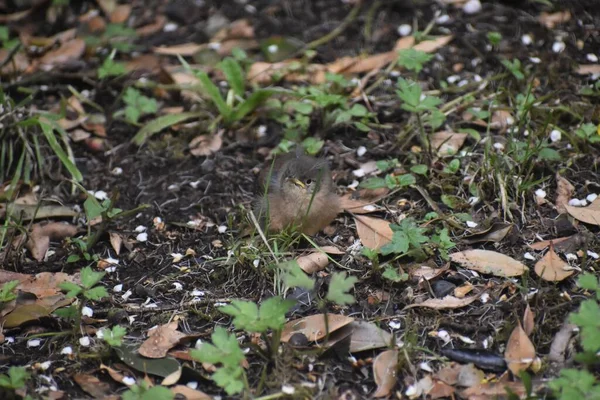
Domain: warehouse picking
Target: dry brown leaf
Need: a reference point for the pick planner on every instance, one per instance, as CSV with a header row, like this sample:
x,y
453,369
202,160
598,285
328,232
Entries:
x,y
14,16
588,69
447,143
427,272
384,372
589,214
144,62
441,390
528,320
332,250
564,192
373,232
24,313
92,385
185,49
449,373
501,120
19,63
116,241
68,51
40,236
496,233
160,340
313,262
347,203
519,352
463,290
429,46
117,376
368,336
546,243
313,327
205,145
489,262
447,302
120,14
42,285
239,29
550,20
189,393
494,390
552,268
152,28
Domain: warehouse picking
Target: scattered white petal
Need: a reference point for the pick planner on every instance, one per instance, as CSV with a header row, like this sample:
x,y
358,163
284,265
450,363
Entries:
x,y
574,203
473,200
466,340
67,350
425,367
359,173
485,343
529,256
354,184
45,365
177,286
555,135
195,184
484,298
192,385
541,193
444,335
591,197
411,391
220,304
535,60
369,208
9,339
442,19
127,295
128,380
177,257
84,341
477,78
117,171
170,27
34,343
173,187
361,151
525,133
452,78
87,312
250,9
288,389
394,324
214,45
592,57
222,229
472,224
140,228
142,237
592,254
526,39
261,131
404,30
472,7
558,47
462,83
273,48
118,288
498,146
100,333
198,293
571,257
582,202
100,195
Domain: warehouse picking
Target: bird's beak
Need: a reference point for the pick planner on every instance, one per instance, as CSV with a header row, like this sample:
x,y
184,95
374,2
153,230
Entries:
x,y
298,182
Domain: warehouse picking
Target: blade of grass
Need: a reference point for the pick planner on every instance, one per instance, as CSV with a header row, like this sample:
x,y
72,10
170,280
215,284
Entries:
x,y
48,132
160,123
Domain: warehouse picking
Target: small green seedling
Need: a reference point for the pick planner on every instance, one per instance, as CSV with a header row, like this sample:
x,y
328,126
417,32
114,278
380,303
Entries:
x,y
339,286
7,292
137,105
514,67
15,379
88,289
143,391
413,60
406,236
110,67
114,337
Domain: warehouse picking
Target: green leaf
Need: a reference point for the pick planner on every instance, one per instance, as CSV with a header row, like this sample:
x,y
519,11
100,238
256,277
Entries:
x,y
358,110
393,275
549,154
451,201
89,277
16,379
234,75
250,104
224,350
419,169
312,145
111,67
7,292
215,95
114,336
339,286
72,289
588,282
302,107
588,319
230,379
272,312
398,245
97,293
160,123
48,131
245,315
293,276
373,183
412,59
92,207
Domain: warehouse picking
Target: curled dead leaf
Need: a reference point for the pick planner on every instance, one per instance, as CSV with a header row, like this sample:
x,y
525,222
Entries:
x,y
589,214
528,320
68,51
313,262
160,340
520,352
588,69
447,143
489,262
314,327
205,145
564,192
373,232
41,234
552,268
384,372
447,302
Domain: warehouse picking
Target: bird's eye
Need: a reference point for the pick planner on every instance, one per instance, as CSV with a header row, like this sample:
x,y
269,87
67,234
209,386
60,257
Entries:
x,y
309,181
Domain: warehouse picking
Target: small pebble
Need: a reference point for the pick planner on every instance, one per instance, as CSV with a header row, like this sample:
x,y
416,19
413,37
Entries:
x,y
404,30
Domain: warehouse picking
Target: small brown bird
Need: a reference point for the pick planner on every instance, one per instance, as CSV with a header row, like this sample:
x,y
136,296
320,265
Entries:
x,y
296,191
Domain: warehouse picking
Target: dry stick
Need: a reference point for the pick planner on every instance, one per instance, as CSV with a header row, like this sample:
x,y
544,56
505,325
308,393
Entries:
x,y
337,31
